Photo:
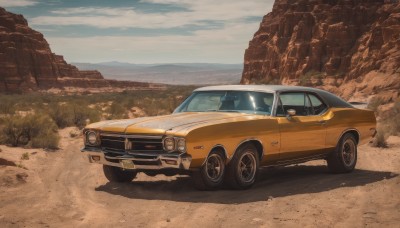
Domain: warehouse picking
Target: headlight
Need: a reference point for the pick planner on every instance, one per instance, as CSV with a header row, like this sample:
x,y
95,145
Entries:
x,y
174,143
181,145
169,144
91,138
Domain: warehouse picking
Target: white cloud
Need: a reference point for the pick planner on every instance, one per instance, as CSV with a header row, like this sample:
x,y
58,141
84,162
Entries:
x,y
17,3
198,12
94,10
223,45
219,46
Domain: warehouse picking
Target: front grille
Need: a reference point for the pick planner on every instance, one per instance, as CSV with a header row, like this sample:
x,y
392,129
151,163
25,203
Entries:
x,y
146,144
112,143
138,143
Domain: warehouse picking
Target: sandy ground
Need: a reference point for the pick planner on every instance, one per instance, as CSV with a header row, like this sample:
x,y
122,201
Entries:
x,y
61,189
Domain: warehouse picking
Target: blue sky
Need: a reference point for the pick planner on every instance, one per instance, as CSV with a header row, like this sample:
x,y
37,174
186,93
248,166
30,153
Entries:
x,y
145,31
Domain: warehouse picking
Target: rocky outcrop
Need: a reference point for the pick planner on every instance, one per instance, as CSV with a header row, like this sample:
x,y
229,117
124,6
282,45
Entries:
x,y
27,63
335,44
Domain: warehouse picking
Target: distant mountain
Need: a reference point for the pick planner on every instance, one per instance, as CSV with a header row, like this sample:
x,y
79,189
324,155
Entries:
x,y
171,73
116,63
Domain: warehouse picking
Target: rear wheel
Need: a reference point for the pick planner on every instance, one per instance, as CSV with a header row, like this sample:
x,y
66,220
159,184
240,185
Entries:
x,y
211,174
344,158
242,170
116,174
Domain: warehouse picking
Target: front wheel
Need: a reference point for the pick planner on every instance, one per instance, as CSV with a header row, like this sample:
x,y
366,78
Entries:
x,y
344,158
116,174
211,174
242,170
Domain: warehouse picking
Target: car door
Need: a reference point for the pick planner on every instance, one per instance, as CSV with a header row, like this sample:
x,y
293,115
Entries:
x,y
304,133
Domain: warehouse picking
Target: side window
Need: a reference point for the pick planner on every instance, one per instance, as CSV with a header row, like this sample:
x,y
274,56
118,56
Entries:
x,y
318,106
296,101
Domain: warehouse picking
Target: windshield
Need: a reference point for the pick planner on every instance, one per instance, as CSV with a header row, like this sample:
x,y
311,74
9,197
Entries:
x,y
228,101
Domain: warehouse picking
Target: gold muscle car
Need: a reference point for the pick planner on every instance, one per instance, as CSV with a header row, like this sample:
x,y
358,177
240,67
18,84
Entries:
x,y
224,134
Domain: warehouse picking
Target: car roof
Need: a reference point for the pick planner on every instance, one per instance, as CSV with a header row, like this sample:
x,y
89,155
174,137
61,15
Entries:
x,y
329,98
261,88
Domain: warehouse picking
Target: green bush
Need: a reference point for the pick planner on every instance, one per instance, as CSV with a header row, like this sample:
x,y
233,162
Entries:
x,y
34,130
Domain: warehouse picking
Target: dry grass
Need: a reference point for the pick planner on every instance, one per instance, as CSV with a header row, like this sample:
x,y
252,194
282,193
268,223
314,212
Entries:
x,y
33,130
388,126
32,120
25,156
380,139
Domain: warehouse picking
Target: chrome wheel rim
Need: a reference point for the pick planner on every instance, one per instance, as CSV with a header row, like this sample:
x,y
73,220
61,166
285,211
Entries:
x,y
348,152
247,167
214,167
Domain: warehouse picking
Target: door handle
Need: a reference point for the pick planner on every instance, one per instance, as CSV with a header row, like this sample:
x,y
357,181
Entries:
x,y
321,122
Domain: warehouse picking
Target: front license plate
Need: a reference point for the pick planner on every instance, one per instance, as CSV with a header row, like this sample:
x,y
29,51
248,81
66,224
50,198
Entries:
x,y
127,164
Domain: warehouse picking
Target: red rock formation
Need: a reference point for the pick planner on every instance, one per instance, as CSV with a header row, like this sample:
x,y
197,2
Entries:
x,y
27,63
326,42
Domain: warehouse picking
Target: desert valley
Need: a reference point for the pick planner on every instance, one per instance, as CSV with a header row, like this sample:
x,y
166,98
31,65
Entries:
x,y
350,48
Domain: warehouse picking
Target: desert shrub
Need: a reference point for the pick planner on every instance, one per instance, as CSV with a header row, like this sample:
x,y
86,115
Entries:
x,y
6,105
151,102
46,139
388,126
82,114
12,131
380,138
393,121
76,110
374,103
124,103
116,111
61,115
34,130
75,133
25,156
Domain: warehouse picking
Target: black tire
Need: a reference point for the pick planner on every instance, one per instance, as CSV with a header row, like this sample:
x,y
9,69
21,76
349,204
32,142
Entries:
x,y
116,174
242,170
211,174
344,158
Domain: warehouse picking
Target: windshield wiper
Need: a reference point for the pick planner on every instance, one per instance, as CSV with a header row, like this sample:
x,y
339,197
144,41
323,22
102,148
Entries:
x,y
215,110
228,111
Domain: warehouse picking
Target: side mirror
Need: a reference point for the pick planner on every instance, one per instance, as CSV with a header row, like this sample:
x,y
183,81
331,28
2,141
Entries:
x,y
291,112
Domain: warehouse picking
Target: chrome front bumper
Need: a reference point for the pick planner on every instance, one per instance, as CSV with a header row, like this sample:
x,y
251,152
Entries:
x,y
140,161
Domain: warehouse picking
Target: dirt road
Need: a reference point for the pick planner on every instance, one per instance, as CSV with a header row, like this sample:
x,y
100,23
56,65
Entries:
x,y
60,189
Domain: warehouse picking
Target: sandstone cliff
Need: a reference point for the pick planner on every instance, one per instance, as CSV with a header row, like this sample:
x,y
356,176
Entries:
x,y
27,63
350,47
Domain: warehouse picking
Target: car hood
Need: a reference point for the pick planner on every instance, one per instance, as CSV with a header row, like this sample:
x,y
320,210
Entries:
x,y
161,124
